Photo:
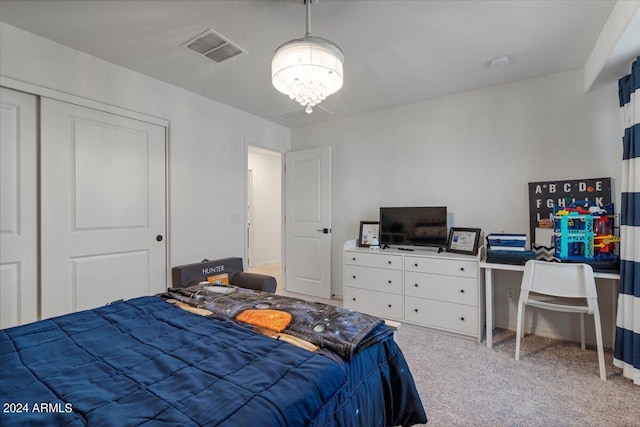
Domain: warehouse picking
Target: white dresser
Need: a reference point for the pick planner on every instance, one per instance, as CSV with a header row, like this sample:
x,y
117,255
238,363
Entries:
x,y
421,287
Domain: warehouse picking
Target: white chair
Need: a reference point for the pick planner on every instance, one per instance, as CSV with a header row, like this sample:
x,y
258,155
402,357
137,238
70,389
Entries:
x,y
568,287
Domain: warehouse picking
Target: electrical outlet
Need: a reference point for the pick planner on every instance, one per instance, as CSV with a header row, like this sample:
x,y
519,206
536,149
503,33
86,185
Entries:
x,y
511,295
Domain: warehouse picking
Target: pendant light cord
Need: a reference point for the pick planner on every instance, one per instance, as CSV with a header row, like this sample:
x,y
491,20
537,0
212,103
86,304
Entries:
x,y
308,3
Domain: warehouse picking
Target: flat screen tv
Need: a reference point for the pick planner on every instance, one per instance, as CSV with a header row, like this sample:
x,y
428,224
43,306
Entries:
x,y
414,226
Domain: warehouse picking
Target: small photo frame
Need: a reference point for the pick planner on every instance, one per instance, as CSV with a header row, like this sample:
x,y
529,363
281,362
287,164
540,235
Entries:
x,y
368,230
463,240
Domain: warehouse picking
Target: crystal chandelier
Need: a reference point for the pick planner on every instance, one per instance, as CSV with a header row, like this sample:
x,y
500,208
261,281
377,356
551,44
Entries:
x,y
307,69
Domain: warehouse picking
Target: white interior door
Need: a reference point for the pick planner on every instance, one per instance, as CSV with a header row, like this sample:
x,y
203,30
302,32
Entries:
x,y
18,209
102,208
308,222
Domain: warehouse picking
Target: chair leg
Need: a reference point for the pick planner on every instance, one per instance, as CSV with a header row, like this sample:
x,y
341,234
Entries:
x,y
582,340
519,328
596,318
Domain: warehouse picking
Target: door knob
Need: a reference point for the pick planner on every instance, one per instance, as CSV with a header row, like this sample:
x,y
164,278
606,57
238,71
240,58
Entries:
x,y
159,237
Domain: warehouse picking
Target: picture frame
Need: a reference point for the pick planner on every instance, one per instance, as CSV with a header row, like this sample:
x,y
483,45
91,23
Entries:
x,y
368,230
464,240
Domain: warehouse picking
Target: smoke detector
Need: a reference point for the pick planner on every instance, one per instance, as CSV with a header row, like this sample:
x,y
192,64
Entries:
x,y
501,61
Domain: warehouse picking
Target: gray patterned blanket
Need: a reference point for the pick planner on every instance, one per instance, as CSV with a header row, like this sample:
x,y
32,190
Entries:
x,y
342,331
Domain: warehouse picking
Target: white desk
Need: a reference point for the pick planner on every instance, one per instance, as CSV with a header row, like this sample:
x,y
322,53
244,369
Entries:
x,y
488,276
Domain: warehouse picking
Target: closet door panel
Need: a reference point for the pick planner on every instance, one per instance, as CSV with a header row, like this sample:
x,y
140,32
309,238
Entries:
x,y
103,208
18,209
110,177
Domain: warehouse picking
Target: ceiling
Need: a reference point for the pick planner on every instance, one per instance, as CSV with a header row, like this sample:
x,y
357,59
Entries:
x,y
396,52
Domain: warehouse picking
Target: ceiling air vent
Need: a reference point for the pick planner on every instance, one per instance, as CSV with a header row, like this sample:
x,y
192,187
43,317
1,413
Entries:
x,y
214,46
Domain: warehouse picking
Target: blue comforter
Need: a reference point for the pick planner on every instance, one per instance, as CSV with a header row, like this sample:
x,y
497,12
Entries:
x,y
144,362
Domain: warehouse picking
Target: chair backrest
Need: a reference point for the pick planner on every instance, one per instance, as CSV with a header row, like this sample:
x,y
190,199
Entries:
x,y
572,280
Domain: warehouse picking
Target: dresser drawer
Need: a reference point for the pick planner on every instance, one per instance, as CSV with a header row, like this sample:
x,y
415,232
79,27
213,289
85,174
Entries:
x,y
449,267
375,279
377,260
387,306
442,315
459,290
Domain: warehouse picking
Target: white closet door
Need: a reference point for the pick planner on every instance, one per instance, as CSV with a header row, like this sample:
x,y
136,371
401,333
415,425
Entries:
x,y
102,208
18,209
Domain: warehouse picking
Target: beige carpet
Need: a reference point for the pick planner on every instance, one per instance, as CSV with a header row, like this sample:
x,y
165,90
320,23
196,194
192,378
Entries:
x,y
555,383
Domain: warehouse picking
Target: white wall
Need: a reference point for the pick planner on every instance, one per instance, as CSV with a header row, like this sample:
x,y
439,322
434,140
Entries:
x,y
207,159
266,225
473,152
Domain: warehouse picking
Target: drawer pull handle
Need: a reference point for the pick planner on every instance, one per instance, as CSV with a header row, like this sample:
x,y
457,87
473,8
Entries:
x,y
354,276
416,264
462,291
354,299
389,305
462,318
415,309
416,285
461,268
389,281
354,258
389,262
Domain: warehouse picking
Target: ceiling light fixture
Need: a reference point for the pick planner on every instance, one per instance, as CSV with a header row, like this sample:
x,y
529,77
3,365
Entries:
x,y
308,69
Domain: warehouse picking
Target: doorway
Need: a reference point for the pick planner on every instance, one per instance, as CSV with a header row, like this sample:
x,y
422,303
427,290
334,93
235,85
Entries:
x,y
264,212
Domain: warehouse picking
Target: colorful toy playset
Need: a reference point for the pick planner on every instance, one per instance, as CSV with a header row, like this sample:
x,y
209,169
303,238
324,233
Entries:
x,y
584,232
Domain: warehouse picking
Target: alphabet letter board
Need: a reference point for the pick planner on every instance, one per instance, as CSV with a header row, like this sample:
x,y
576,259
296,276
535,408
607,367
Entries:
x,y
544,195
